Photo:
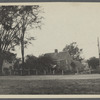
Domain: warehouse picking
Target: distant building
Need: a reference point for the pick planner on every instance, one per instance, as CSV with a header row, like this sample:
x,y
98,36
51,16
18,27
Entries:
x,y
62,59
8,62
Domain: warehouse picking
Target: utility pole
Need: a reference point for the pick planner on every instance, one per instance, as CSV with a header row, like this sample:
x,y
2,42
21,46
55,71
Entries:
x,y
98,50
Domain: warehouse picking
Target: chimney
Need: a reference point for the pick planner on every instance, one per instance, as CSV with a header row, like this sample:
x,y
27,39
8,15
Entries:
x,y
56,50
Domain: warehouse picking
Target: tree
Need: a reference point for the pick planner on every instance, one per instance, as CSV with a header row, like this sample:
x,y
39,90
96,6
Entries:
x,y
62,66
74,51
45,63
77,66
31,63
93,62
14,21
9,30
73,66
29,17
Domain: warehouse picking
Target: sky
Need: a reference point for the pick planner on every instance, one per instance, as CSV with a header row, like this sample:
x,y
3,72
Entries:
x,y
63,24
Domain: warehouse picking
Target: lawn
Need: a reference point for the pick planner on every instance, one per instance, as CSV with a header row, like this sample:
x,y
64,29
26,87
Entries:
x,y
52,86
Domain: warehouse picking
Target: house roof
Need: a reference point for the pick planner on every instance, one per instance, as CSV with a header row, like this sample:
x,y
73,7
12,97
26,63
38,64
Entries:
x,y
60,56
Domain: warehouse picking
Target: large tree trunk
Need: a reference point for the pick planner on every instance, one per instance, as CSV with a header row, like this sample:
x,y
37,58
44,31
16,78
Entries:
x,y
22,52
22,48
1,59
1,63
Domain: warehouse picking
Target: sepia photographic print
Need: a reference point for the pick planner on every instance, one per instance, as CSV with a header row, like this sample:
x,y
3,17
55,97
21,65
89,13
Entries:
x,y
50,49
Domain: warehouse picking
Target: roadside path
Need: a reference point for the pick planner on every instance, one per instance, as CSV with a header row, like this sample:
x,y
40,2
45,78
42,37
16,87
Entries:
x,y
51,77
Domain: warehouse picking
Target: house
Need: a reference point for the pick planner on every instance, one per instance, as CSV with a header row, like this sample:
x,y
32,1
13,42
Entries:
x,y
8,62
63,59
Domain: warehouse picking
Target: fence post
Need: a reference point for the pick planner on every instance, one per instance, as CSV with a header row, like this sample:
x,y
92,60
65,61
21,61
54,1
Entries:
x,y
62,72
53,72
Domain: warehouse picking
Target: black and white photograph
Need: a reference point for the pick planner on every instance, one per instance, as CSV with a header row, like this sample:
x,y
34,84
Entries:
x,y
50,48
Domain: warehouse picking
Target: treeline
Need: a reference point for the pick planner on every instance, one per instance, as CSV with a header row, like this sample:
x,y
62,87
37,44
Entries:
x,y
46,65
42,65
93,64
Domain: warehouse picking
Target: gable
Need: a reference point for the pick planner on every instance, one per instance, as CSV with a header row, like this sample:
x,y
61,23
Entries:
x,y
60,56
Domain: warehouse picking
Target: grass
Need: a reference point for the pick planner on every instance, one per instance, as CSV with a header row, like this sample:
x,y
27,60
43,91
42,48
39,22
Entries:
x,y
72,86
